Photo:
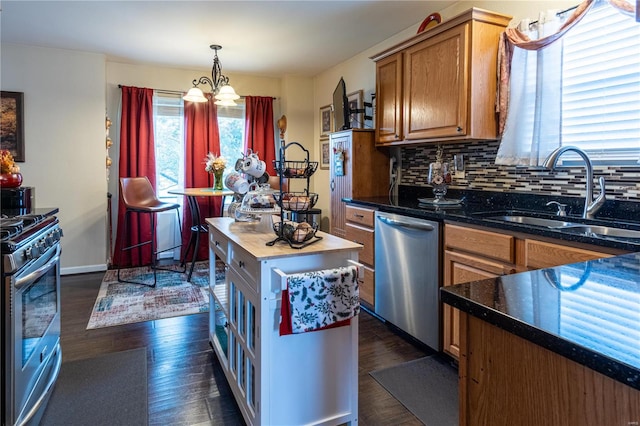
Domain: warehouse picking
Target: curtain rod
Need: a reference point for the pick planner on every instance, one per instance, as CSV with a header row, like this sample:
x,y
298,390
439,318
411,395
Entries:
x,y
180,92
557,14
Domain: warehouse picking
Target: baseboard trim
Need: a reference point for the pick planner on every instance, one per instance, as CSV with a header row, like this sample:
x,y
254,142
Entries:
x,y
83,269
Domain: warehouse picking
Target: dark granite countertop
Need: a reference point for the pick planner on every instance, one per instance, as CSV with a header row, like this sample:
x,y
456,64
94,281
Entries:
x,y
588,312
477,205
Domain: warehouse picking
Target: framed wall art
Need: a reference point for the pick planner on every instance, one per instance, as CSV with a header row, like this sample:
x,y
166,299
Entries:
x,y
356,104
326,121
12,124
325,155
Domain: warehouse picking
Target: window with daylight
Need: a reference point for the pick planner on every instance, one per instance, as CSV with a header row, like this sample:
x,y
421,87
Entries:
x,y
582,90
168,113
601,86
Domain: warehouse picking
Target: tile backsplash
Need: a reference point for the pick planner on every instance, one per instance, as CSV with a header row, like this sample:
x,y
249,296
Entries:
x,y
482,174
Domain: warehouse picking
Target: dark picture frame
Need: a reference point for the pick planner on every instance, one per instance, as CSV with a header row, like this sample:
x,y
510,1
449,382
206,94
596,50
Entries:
x,y
356,103
12,124
326,121
325,155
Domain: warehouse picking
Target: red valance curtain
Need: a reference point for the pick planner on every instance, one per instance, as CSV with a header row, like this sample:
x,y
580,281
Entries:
x,y
201,137
137,158
259,130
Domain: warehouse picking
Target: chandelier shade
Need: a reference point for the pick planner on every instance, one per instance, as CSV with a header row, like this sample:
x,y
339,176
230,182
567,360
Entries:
x,y
220,88
194,95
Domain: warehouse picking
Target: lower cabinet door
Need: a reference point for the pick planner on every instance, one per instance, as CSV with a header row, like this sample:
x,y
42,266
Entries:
x,y
461,268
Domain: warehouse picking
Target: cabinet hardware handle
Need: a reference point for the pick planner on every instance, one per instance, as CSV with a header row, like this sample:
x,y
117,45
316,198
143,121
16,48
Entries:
x,y
361,216
397,137
459,129
217,243
241,264
333,184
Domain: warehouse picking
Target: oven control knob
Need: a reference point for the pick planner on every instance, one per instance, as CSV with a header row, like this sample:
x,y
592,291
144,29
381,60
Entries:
x,y
56,234
32,252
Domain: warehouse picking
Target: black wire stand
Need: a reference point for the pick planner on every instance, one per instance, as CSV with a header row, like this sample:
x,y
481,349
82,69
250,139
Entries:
x,y
303,169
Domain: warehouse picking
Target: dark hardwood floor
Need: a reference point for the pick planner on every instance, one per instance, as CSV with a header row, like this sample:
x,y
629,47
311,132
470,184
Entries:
x,y
186,383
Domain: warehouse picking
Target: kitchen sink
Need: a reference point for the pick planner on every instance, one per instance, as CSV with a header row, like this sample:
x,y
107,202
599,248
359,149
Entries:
x,y
530,220
605,231
557,223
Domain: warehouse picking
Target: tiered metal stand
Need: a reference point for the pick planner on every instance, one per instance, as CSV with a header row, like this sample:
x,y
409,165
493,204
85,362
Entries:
x,y
295,201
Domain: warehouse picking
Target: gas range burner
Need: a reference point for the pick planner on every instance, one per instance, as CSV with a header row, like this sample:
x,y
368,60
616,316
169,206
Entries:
x,y
27,219
10,227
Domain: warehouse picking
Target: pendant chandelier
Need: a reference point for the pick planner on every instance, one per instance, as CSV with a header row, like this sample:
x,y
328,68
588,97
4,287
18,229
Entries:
x,y
222,91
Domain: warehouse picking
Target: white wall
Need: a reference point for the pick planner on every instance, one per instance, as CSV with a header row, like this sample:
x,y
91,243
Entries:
x,y
64,108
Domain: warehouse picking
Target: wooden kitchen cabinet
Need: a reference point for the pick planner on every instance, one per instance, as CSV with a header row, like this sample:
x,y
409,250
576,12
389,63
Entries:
x,y
389,99
540,254
360,229
540,386
471,254
475,254
447,82
364,173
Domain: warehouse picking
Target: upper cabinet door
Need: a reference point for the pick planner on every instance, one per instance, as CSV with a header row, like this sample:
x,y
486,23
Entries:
x,y
440,85
436,86
389,99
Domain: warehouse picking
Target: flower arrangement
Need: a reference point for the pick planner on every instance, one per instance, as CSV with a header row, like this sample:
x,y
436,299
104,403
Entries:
x,y
214,163
7,164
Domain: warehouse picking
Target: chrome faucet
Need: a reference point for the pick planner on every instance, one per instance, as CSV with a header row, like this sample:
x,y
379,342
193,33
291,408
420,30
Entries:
x,y
591,206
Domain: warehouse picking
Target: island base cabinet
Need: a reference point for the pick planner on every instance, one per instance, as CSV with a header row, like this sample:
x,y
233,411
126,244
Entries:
x,y
507,380
307,378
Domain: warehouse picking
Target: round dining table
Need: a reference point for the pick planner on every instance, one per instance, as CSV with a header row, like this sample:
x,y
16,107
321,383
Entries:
x,y
197,223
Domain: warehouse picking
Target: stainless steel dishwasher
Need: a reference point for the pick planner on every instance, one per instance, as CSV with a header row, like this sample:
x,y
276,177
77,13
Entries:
x,y
406,279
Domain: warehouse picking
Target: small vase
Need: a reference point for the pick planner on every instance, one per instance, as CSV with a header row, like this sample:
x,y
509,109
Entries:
x,y
439,178
10,180
218,181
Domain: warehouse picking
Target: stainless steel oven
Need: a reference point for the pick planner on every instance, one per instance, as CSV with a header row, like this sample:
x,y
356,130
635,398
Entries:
x,y
30,321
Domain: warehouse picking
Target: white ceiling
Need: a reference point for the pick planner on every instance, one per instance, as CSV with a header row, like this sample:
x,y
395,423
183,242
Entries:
x,y
267,38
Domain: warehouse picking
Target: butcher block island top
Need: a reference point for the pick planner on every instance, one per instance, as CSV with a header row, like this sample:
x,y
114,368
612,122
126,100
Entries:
x,y
251,237
261,334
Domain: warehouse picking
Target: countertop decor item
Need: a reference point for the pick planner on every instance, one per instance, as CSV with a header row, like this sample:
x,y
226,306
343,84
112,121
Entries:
x,y
430,22
439,176
10,176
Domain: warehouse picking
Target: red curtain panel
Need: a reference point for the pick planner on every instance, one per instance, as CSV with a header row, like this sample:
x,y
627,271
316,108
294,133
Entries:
x,y
259,129
137,158
201,137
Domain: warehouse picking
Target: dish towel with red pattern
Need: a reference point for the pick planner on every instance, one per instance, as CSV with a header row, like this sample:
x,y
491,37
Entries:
x,y
319,300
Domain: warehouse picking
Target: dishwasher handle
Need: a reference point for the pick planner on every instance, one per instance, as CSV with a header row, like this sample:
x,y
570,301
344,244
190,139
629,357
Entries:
x,y
412,225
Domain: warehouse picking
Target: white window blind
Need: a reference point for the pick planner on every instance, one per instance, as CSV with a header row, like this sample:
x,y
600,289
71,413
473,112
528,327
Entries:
x,y
601,86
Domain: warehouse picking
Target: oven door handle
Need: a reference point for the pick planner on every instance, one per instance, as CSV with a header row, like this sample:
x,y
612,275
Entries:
x,y
38,272
47,389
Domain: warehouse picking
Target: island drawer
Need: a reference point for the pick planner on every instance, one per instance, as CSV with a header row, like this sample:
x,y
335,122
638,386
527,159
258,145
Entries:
x,y
246,265
360,215
220,245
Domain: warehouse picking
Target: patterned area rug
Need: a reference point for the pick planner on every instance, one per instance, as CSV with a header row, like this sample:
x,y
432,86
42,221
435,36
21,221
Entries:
x,y
124,303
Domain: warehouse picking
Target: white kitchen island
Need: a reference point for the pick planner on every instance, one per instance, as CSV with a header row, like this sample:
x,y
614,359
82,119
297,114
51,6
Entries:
x,y
308,378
